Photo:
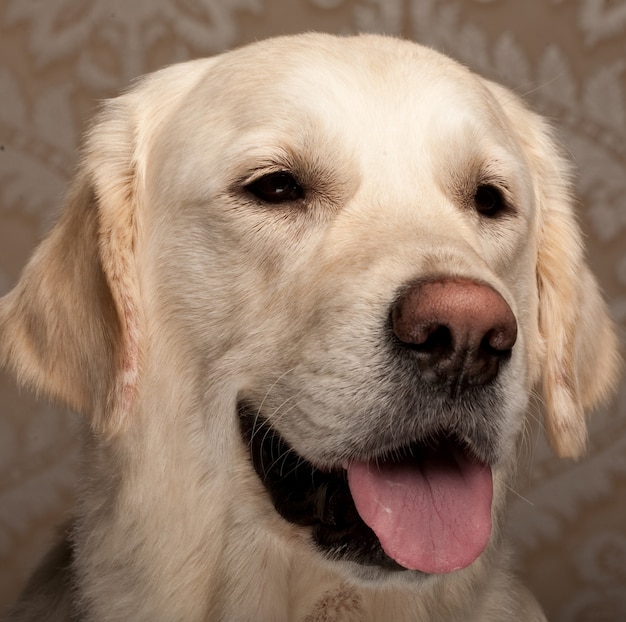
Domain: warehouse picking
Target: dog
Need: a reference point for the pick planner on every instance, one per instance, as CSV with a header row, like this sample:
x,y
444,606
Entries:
x,y
304,294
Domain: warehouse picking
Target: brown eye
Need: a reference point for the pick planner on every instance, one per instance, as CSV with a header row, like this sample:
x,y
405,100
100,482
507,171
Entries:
x,y
489,201
279,187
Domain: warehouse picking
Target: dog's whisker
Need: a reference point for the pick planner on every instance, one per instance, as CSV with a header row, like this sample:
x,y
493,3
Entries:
x,y
271,388
284,455
277,413
519,495
259,409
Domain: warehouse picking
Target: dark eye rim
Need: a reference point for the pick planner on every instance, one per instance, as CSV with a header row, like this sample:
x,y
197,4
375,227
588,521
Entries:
x,y
276,187
490,200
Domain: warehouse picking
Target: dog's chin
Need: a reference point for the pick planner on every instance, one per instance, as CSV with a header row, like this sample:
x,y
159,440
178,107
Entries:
x,y
321,499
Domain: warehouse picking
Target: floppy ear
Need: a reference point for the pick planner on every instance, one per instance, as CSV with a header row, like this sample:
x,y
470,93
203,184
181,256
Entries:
x,y
71,327
580,359
581,355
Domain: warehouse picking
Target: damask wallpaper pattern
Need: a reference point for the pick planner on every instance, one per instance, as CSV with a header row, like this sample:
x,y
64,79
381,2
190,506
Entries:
x,y
568,57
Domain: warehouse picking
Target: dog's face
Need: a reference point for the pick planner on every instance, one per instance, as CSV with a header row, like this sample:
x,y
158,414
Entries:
x,y
370,251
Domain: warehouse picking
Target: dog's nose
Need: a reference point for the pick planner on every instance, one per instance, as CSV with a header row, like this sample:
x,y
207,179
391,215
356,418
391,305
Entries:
x,y
459,331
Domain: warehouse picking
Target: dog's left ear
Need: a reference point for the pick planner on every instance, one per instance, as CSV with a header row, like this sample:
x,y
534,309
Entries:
x,y
71,327
580,358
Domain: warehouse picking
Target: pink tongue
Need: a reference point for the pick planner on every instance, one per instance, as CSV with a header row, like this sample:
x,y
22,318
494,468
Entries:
x,y
431,514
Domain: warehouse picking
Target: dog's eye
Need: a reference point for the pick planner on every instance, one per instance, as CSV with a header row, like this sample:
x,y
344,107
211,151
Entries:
x,y
489,201
279,187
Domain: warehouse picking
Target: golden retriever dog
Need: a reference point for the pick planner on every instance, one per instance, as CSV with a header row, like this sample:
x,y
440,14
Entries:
x,y
303,294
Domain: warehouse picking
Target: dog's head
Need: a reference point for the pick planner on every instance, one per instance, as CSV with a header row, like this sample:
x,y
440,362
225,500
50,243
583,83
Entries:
x,y
359,253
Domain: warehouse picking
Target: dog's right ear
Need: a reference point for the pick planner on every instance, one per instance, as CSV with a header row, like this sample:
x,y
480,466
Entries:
x,y
71,327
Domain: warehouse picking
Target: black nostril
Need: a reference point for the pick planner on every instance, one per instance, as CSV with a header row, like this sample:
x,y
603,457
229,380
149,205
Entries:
x,y
496,344
437,341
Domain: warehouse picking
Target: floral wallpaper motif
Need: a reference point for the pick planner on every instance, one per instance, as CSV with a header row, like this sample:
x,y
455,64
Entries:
x,y
567,57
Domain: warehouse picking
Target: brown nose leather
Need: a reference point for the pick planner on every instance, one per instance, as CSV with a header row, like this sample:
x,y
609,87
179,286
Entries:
x,y
459,331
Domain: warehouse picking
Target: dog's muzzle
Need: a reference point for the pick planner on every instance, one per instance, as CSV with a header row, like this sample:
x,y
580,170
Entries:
x,y
423,504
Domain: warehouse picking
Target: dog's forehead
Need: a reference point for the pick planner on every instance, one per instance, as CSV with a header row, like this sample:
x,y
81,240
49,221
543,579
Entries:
x,y
356,83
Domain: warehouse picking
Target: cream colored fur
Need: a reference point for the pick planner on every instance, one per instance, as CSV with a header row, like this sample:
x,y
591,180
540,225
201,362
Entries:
x,y
163,295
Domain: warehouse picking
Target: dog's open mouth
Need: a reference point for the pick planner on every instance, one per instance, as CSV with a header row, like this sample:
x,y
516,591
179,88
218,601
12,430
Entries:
x,y
427,508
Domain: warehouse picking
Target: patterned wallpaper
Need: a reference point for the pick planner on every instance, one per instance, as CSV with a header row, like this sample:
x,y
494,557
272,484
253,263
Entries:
x,y
568,57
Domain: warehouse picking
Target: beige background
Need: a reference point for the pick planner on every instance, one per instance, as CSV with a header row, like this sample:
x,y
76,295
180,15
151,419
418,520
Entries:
x,y
568,57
